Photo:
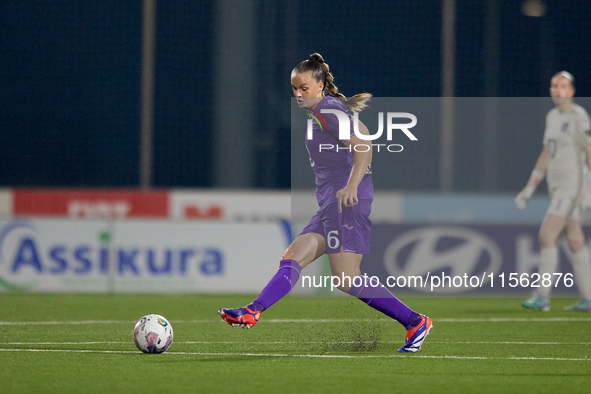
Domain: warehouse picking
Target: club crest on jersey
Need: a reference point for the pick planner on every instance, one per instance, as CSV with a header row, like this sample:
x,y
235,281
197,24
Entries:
x,y
564,126
316,116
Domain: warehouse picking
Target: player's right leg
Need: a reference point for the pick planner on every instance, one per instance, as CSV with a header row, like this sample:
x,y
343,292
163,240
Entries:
x,y
303,250
348,233
549,232
347,265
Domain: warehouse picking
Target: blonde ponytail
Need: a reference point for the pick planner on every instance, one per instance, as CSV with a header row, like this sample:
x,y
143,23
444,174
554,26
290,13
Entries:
x,y
321,73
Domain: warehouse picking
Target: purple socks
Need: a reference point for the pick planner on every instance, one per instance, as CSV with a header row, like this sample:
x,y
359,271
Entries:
x,y
279,285
370,292
380,298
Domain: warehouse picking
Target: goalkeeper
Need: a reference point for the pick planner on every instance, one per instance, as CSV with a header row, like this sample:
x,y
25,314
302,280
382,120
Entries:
x,y
567,148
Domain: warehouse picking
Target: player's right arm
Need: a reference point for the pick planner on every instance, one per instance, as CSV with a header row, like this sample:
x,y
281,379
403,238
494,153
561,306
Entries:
x,y
535,178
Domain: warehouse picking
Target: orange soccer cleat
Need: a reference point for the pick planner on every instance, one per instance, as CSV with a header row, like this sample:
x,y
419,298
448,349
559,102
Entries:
x,y
240,317
416,336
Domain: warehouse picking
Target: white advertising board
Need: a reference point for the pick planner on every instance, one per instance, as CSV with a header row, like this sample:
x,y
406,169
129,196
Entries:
x,y
60,255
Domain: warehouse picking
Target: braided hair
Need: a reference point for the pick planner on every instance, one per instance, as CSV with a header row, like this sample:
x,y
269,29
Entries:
x,y
321,73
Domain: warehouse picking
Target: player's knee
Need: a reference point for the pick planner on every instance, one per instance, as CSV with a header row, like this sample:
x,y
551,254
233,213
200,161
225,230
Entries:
x,y
287,254
546,240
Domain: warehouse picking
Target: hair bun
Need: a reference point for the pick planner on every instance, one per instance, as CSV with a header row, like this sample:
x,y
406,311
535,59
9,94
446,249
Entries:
x,y
316,58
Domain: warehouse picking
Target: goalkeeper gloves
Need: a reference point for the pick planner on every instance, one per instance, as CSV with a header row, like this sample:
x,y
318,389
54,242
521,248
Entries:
x,y
529,189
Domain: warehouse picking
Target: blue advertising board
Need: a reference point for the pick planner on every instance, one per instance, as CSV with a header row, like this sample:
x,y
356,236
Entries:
x,y
452,259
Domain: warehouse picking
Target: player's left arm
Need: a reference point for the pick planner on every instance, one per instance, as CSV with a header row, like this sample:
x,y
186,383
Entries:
x,y
362,155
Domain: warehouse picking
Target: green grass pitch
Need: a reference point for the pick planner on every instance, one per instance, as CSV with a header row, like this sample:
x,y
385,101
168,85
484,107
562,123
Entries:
x,y
62,343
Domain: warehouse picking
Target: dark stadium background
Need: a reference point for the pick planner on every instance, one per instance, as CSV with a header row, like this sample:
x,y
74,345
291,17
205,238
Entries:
x,y
70,80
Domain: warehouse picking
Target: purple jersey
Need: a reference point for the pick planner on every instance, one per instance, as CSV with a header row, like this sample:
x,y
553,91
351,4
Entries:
x,y
332,166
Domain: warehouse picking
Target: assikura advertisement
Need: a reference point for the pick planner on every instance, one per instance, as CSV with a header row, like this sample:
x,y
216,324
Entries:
x,y
60,255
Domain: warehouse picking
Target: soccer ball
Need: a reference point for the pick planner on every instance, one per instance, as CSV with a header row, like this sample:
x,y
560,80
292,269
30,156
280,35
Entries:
x,y
152,334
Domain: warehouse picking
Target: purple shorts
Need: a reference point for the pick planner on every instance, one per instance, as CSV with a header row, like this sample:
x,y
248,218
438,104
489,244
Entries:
x,y
349,230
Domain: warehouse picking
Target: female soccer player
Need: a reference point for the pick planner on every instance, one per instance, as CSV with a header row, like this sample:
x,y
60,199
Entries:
x,y
566,143
341,227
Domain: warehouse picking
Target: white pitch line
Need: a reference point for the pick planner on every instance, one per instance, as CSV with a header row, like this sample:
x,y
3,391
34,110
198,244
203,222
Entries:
x,y
437,320
37,323
299,342
62,343
301,355
514,343
513,319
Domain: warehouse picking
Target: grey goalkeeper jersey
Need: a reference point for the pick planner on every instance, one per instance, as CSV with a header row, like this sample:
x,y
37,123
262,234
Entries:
x,y
565,136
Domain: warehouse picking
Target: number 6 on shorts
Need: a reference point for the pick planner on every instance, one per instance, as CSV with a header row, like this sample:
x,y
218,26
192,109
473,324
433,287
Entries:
x,y
332,239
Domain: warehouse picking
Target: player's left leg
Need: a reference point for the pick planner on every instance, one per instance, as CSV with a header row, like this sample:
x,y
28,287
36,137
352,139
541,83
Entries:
x,y
581,262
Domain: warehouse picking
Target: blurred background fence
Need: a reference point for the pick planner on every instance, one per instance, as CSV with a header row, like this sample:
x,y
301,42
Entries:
x,y
71,79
